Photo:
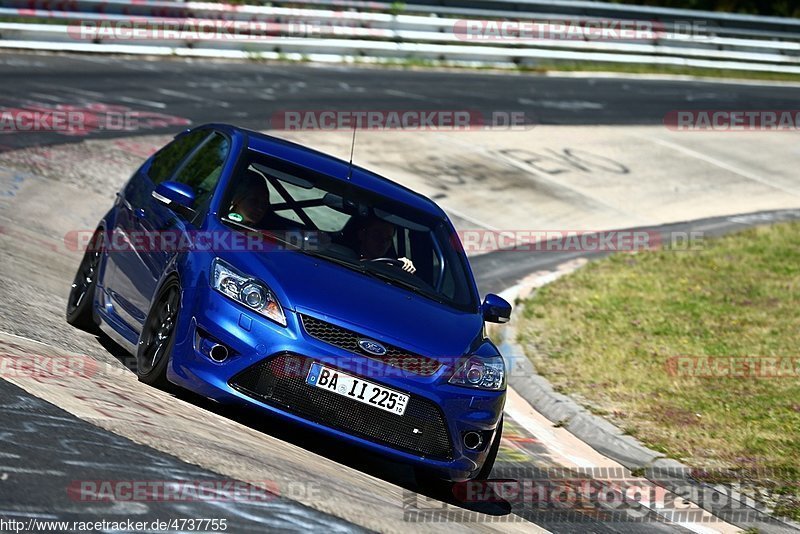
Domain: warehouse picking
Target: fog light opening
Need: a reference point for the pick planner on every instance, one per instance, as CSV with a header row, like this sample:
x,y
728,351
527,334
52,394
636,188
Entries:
x,y
218,353
473,440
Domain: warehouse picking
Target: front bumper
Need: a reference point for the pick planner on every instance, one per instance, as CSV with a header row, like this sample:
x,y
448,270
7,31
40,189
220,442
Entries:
x,y
254,341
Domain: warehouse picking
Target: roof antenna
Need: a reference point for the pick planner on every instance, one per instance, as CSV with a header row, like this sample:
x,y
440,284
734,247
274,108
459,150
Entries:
x,y
352,147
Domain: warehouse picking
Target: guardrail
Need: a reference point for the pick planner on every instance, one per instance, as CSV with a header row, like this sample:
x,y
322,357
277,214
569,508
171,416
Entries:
x,y
718,24
373,34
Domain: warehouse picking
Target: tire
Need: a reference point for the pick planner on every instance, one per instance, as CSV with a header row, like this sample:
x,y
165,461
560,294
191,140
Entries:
x,y
80,303
154,350
486,469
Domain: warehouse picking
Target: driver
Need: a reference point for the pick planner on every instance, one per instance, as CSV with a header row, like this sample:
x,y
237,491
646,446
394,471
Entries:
x,y
375,241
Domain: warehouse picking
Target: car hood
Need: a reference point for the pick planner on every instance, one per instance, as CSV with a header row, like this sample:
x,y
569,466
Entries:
x,y
367,305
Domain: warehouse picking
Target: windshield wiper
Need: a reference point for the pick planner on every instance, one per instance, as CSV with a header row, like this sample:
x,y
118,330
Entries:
x,y
364,268
407,285
341,261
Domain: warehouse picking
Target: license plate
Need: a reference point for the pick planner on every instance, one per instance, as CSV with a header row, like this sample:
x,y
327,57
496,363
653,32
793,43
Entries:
x,y
355,388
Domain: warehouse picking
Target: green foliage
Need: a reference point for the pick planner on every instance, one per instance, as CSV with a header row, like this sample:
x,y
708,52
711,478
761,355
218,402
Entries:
x,y
777,8
612,332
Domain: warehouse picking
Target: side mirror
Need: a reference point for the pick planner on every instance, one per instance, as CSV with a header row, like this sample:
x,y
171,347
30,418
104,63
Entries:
x,y
495,309
176,196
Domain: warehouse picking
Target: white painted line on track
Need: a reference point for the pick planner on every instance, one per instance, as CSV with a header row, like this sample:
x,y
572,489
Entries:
x,y
16,513
25,470
470,219
668,78
83,92
722,165
406,94
140,101
187,96
3,333
44,96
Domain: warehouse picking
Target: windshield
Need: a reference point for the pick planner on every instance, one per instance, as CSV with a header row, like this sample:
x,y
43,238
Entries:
x,y
334,220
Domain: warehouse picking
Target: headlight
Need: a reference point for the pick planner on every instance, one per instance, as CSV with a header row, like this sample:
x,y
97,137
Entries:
x,y
482,373
246,290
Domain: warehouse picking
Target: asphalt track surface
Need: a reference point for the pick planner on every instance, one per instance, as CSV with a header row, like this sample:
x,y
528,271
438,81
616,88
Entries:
x,y
249,94
45,448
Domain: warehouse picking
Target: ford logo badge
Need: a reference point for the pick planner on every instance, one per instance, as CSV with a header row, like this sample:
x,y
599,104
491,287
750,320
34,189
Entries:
x,y
373,347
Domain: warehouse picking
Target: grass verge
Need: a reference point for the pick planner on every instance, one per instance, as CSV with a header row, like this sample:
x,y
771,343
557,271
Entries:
x,y
653,68
630,335
600,67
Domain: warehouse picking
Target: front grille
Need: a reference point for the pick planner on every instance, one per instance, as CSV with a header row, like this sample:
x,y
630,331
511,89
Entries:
x,y
348,340
280,382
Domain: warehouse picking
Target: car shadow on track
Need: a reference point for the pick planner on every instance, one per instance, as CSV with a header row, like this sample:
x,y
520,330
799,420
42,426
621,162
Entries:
x,y
353,457
123,356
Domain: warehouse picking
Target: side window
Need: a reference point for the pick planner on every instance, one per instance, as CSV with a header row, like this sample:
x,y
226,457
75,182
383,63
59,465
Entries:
x,y
202,170
168,158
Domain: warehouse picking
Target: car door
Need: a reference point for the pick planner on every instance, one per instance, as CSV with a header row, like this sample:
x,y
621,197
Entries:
x,y
201,171
128,283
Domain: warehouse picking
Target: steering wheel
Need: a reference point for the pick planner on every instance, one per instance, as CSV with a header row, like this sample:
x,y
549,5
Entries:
x,y
394,262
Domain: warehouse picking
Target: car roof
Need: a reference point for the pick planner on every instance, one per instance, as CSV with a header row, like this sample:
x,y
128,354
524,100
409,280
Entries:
x,y
331,166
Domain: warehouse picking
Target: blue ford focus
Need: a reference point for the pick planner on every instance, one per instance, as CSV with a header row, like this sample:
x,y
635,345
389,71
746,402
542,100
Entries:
x,y
259,272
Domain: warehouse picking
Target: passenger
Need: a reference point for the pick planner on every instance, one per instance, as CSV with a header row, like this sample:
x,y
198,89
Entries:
x,y
250,202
